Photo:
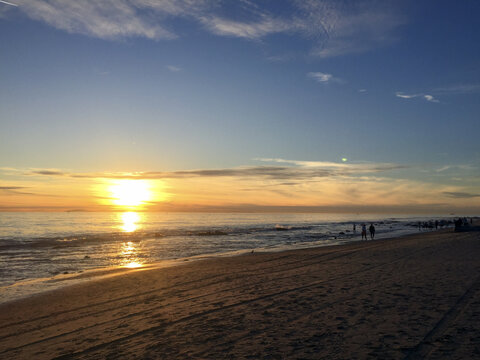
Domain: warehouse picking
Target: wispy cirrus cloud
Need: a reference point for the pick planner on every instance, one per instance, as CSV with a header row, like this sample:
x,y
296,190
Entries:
x,y
48,172
426,97
462,167
342,28
173,68
345,168
461,195
443,168
113,19
333,28
324,78
294,170
270,172
15,190
250,30
11,187
8,3
458,89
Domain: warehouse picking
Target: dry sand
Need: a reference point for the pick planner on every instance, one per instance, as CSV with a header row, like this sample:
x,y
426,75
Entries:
x,y
408,298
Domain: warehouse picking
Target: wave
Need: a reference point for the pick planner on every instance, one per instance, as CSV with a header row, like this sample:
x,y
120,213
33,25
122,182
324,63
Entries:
x,y
302,232
89,239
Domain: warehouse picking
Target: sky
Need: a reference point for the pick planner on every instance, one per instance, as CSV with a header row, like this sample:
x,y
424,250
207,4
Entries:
x,y
219,105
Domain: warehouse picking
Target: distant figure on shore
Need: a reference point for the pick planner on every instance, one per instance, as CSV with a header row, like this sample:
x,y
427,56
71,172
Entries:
x,y
458,224
364,231
372,231
436,224
419,226
354,228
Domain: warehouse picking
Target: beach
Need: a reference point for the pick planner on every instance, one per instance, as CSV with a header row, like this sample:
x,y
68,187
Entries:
x,y
412,297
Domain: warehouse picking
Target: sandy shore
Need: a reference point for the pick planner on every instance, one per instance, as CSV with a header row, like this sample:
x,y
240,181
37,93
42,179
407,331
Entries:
x,y
414,297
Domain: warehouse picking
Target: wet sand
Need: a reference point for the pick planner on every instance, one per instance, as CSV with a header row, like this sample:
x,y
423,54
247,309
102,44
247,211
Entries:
x,y
415,297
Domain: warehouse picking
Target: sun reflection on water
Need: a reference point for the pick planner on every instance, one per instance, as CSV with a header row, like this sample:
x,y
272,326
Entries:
x,y
133,265
129,221
129,253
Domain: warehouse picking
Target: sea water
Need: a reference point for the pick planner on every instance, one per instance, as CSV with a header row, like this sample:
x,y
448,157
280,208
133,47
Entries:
x,y
40,251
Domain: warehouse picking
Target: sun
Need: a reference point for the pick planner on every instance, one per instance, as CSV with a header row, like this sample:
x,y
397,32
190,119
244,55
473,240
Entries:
x,y
130,193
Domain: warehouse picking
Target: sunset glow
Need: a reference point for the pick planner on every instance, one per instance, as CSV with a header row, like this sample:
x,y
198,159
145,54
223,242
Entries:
x,y
130,193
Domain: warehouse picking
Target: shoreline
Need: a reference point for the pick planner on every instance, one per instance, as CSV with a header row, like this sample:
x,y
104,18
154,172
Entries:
x,y
409,298
33,287
39,258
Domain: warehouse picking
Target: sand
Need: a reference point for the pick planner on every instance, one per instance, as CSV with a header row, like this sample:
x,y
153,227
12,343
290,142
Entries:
x,y
415,297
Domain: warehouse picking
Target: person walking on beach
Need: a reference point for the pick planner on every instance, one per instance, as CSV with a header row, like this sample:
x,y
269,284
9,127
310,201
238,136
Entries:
x,y
372,231
364,231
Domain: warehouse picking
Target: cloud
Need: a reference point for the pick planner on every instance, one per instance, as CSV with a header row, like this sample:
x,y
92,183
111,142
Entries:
x,y
443,168
427,97
335,28
269,172
301,170
404,96
15,190
461,195
112,19
458,89
8,3
443,91
248,30
281,58
342,28
346,167
324,78
48,172
332,27
11,187
174,68
463,167
430,98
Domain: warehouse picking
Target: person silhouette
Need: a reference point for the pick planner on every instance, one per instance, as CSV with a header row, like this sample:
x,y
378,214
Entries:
x,y
364,231
372,231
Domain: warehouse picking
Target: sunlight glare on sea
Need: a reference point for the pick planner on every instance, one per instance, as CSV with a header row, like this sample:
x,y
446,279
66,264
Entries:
x,y
129,221
129,252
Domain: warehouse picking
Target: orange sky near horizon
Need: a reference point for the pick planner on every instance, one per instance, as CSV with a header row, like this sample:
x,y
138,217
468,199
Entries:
x,y
362,190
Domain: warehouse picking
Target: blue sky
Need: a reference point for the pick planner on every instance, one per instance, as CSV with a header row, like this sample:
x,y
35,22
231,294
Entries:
x,y
167,86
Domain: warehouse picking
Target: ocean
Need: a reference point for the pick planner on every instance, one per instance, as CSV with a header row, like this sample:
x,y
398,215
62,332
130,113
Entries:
x,y
42,251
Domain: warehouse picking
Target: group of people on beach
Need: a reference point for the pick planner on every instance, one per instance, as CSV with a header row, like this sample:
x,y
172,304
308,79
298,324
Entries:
x,y
371,229
430,225
462,222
